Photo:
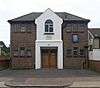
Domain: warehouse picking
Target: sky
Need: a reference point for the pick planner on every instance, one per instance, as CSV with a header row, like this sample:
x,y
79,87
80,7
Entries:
x,y
10,9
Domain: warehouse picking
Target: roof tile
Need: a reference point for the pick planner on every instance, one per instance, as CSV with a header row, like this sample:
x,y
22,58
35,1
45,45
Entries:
x,y
34,15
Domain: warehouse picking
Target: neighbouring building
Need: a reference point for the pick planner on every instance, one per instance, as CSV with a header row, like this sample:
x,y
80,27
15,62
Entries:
x,y
94,48
49,40
4,58
0,50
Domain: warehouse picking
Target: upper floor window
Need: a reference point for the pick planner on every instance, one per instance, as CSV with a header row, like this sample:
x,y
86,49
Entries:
x,y
81,52
48,26
15,53
22,51
69,52
23,29
75,51
96,43
75,38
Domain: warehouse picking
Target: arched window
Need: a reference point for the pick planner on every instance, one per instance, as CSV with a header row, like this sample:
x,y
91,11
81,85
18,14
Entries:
x,y
48,26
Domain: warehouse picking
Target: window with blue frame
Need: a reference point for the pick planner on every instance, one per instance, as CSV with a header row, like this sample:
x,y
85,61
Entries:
x,y
75,38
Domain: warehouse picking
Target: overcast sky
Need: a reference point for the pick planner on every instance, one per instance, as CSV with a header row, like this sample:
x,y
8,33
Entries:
x,y
10,9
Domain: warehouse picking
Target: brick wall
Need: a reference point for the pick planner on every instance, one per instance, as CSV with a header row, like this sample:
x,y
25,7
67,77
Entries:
x,y
68,31
23,39
27,39
4,62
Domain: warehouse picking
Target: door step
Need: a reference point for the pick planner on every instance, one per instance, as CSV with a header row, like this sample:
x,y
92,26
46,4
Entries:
x,y
38,83
19,85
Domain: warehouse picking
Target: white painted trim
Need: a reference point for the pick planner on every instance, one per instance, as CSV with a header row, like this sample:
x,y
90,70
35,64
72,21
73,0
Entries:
x,y
90,34
40,44
47,11
90,41
43,40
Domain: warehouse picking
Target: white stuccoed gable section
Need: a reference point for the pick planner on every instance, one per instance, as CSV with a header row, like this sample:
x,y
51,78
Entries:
x,y
44,40
40,21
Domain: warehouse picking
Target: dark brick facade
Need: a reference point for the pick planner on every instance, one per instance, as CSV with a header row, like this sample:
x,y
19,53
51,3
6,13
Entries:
x,y
79,28
23,39
23,35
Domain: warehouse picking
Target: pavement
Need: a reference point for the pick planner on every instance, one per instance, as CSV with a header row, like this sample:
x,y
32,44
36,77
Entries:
x,y
86,84
45,73
49,77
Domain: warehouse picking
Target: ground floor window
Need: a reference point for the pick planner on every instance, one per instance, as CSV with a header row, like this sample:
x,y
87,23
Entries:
x,y
69,52
75,52
82,52
15,53
22,52
28,52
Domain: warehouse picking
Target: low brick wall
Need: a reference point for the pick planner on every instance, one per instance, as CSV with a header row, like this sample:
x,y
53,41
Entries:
x,y
94,65
4,62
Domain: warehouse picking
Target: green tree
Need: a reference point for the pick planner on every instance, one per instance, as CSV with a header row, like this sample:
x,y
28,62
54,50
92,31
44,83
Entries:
x,y
5,50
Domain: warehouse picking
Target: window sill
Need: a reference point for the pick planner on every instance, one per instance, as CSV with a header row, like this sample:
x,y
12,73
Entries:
x,y
75,42
49,33
22,56
29,56
69,56
15,56
82,56
75,56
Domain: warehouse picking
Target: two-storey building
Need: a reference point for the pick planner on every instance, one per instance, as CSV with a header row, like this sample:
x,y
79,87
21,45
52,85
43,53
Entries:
x,y
49,40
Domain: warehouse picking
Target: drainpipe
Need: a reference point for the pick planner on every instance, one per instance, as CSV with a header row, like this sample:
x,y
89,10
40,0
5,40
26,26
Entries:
x,y
86,57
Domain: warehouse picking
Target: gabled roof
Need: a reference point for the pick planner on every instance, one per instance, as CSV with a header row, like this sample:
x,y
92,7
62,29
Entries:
x,y
95,32
32,16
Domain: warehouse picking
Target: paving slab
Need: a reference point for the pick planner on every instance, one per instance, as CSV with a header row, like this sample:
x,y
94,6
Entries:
x,y
47,77
48,73
85,84
2,85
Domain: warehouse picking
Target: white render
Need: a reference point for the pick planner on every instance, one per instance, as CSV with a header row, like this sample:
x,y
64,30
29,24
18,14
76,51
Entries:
x,y
40,22
43,40
94,55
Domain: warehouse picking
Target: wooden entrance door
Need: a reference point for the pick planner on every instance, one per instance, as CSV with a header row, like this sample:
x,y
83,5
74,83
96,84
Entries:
x,y
49,58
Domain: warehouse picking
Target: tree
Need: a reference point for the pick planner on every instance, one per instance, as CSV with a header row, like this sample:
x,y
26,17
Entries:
x,y
5,50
